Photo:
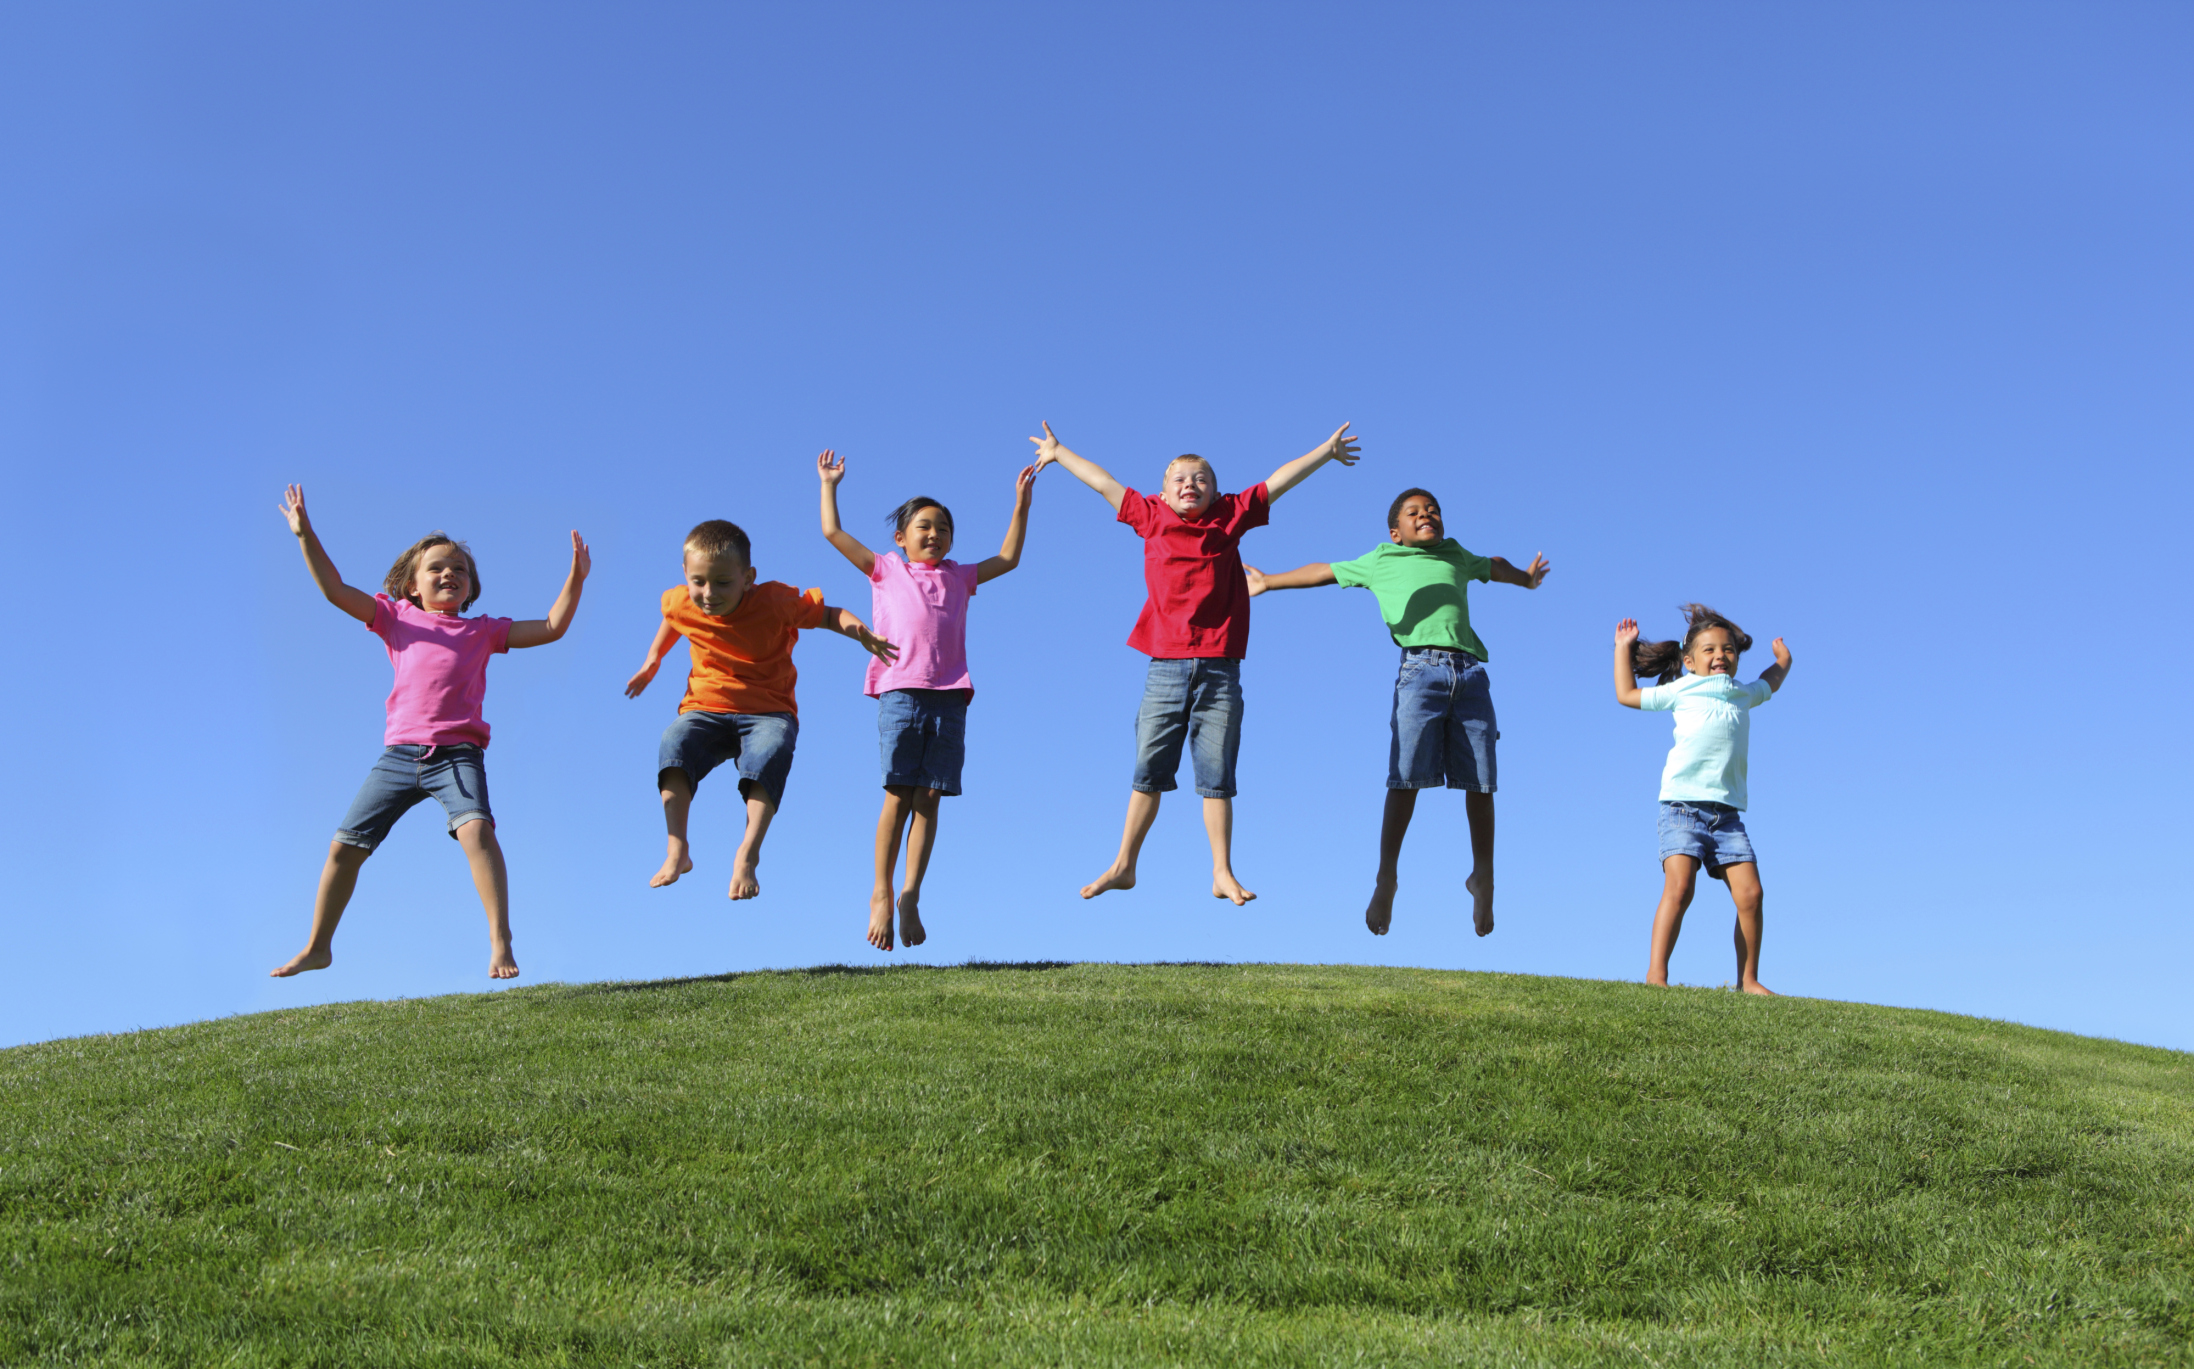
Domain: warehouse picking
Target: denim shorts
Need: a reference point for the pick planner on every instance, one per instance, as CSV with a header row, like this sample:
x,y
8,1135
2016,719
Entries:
x,y
1197,701
1443,722
405,775
923,733
761,743
1711,833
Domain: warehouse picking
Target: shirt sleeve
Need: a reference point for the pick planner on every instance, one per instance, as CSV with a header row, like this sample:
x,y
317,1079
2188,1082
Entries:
x,y
1473,566
877,568
498,630
1138,511
384,617
1657,698
806,611
1760,691
1252,509
1353,574
971,574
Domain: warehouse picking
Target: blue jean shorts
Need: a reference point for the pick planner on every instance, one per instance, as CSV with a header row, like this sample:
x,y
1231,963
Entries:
x,y
923,733
761,743
1443,722
1711,833
1197,701
405,775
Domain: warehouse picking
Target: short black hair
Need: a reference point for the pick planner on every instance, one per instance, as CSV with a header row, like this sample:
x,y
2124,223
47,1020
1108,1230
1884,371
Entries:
x,y
904,514
1394,510
716,537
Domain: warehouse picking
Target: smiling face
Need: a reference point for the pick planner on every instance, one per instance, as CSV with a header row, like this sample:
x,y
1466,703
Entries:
x,y
927,537
1712,653
1190,486
1418,523
716,584
441,579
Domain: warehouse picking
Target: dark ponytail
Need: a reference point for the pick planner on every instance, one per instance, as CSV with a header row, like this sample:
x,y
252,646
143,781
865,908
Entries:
x,y
1665,660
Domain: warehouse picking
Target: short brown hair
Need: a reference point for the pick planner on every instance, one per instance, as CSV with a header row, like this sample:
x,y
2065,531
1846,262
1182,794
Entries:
x,y
717,537
400,577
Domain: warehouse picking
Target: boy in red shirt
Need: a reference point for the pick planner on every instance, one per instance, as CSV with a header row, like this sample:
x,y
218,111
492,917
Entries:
x,y
1195,629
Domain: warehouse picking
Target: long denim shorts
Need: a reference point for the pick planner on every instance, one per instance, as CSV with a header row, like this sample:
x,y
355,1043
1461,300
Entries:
x,y
923,735
406,775
1711,833
761,743
1197,701
1444,728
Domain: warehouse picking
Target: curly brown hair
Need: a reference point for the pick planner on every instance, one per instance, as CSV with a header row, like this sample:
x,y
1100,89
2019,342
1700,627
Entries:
x,y
400,576
1665,660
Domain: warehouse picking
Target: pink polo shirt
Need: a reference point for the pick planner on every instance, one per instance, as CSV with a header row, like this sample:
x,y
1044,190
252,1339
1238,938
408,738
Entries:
x,y
922,610
441,665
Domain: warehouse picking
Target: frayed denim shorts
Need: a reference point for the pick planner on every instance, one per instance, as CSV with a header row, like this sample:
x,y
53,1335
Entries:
x,y
923,735
1444,728
761,744
1196,701
406,775
1711,833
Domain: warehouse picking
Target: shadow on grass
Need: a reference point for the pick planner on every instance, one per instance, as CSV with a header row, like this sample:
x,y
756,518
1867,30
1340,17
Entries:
x,y
985,966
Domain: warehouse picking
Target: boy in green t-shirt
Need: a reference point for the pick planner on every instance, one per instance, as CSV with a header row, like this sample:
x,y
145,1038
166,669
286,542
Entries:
x,y
1443,706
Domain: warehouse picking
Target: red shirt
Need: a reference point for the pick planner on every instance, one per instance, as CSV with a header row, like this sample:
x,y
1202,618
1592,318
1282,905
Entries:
x,y
1199,598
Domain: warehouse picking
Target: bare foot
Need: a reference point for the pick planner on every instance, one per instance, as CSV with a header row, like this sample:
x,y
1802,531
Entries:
x,y
1379,913
1114,878
879,919
1480,889
307,959
743,881
1761,989
911,932
1227,886
678,862
501,965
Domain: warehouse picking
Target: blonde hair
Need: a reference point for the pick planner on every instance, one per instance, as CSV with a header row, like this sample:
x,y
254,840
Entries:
x,y
406,570
1191,456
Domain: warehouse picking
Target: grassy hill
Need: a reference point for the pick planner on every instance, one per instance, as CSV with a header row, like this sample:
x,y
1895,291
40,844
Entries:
x,y
1092,1165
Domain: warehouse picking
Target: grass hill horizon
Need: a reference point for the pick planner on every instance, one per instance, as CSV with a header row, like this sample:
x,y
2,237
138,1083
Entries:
x,y
1096,1164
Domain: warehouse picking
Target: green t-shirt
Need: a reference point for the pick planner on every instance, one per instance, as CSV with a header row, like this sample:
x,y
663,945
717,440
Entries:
x,y
1422,591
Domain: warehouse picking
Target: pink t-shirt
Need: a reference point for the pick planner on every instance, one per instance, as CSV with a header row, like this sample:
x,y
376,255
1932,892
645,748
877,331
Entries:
x,y
922,610
441,665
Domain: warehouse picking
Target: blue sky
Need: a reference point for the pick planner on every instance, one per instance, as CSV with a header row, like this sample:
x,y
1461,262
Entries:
x,y
1868,325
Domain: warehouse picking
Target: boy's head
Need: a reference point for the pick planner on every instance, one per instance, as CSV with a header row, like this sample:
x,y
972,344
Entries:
x,y
1190,485
719,569
437,573
1413,519
922,530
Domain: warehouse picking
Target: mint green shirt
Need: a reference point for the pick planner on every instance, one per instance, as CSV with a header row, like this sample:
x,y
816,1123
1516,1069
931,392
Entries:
x,y
1422,591
1713,732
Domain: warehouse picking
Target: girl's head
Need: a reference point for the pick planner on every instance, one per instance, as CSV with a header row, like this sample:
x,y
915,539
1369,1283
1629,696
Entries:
x,y
719,566
1190,485
1711,646
436,573
922,529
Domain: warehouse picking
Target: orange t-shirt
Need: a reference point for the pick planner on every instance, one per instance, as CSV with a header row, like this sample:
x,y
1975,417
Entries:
x,y
742,662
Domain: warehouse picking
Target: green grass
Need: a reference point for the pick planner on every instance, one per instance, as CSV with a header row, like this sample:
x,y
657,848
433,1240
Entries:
x,y
1096,1164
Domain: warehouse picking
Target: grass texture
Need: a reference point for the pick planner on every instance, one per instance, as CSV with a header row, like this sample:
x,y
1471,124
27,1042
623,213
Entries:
x,y
1096,1164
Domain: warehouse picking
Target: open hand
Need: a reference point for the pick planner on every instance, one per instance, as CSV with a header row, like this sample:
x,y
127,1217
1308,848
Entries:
x,y
1341,447
1024,488
1536,571
293,509
877,646
1256,580
830,466
1782,653
1626,632
640,679
582,560
1047,448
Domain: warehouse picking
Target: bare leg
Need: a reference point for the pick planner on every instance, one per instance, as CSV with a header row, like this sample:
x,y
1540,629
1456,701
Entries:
x,y
1680,875
1219,826
677,793
1401,805
485,854
921,838
1479,807
1744,888
760,809
889,823
338,878
1142,810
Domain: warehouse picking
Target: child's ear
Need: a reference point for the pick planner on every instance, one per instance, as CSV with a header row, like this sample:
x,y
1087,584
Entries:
x,y
1394,535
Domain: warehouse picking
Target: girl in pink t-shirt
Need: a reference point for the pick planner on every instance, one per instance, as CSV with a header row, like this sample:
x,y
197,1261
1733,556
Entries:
x,y
922,697
436,737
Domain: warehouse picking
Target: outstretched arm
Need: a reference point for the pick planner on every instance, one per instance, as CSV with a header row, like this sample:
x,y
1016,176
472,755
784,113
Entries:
x,y
542,631
1340,447
1009,554
1626,680
1050,449
355,602
1778,672
832,468
1302,577
666,637
845,624
1529,577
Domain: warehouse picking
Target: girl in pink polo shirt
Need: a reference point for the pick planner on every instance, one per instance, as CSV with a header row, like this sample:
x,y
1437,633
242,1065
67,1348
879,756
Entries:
x,y
436,740
921,600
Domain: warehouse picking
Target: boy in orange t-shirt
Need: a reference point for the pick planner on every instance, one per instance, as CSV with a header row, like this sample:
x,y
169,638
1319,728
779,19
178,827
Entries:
x,y
738,704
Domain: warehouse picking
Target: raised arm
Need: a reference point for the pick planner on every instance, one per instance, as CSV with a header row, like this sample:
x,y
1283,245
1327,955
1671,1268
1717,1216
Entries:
x,y
1050,449
846,624
666,637
541,631
1009,554
1626,679
832,468
1529,577
1302,577
353,601
1340,447
1778,672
